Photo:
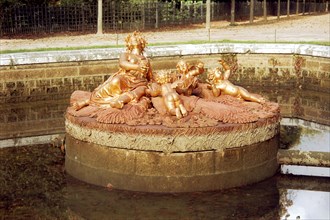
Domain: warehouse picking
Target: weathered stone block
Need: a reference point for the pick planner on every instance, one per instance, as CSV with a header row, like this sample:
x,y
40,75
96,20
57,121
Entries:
x,y
52,90
285,61
37,91
77,81
10,85
21,74
61,72
312,65
93,155
98,79
97,69
74,153
177,164
67,81
160,63
160,164
42,83
311,112
121,161
325,67
325,83
204,163
56,82
228,159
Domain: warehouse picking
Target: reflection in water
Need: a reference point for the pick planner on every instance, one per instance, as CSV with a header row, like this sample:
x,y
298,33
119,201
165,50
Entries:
x,y
31,179
34,185
308,105
295,200
304,136
305,170
297,134
289,136
32,119
258,201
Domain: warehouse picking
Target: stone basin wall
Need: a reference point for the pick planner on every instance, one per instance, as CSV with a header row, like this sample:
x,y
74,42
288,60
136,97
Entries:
x,y
55,75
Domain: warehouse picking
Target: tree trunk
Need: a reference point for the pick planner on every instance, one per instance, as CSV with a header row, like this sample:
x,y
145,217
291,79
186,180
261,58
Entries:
x,y
208,14
314,5
304,6
157,16
288,8
297,9
99,17
251,10
265,9
232,12
278,9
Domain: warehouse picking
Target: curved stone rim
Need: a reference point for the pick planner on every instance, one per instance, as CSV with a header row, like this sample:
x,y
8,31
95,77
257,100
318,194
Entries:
x,y
167,140
164,51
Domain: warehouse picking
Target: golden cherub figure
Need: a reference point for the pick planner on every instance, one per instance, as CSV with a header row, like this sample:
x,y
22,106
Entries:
x,y
162,86
169,85
220,84
187,80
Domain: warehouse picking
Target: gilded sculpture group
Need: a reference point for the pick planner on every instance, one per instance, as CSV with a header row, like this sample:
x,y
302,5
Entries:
x,y
135,80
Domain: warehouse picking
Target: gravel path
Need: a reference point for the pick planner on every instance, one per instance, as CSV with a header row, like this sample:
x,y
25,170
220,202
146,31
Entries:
x,y
293,29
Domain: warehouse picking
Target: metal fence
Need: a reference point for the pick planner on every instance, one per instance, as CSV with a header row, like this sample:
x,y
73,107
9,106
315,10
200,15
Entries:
x,y
44,19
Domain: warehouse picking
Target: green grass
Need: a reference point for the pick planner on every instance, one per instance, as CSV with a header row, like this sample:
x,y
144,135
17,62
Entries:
x,y
325,43
59,49
322,43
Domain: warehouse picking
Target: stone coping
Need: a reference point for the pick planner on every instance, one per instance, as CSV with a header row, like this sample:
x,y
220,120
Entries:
x,y
304,123
167,140
26,58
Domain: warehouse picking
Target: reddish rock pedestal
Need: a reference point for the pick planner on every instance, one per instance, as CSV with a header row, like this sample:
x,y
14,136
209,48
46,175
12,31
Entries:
x,y
155,158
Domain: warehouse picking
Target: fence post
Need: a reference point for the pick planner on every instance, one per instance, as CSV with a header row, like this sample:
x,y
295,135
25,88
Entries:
x,y
251,10
99,17
232,12
288,8
326,6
